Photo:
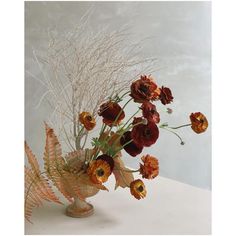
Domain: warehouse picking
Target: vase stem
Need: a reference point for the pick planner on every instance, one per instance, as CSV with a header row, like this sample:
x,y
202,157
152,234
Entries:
x,y
79,209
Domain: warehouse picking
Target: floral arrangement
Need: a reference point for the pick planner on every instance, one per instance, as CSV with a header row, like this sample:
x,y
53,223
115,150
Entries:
x,y
82,172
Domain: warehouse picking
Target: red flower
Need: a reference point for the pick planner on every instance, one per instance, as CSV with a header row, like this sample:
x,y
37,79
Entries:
x,y
132,148
150,112
144,135
144,89
112,113
166,95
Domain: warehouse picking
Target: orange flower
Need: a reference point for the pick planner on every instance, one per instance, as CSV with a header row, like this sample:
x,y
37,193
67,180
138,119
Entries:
x,y
87,120
199,122
112,113
150,167
99,171
137,189
144,89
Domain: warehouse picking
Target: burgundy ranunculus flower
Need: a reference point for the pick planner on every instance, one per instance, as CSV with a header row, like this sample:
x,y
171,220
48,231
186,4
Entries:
x,y
132,148
166,95
110,111
144,89
150,112
144,135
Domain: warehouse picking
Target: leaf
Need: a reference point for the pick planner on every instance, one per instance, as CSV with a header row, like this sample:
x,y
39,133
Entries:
x,y
36,186
123,178
54,164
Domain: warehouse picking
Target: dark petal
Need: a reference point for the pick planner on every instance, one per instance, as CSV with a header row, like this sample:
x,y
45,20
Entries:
x,y
109,111
166,95
145,135
132,148
108,159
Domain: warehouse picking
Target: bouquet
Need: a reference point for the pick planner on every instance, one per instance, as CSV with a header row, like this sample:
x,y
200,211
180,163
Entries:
x,y
82,172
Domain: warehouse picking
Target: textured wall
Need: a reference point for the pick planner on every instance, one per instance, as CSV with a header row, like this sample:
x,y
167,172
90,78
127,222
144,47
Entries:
x,y
180,36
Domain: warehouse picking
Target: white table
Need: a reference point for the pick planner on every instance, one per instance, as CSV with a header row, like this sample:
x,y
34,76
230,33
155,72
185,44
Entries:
x,y
170,207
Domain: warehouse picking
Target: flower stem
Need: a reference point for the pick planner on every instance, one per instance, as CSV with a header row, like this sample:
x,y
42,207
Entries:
x,y
181,140
130,119
130,141
133,171
117,118
181,126
124,94
120,113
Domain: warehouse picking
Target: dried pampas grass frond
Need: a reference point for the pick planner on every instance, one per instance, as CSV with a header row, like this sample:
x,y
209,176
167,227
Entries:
x,y
85,68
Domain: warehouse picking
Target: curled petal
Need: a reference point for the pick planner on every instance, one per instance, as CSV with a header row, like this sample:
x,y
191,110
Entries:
x,y
112,113
199,123
144,89
87,120
150,167
137,189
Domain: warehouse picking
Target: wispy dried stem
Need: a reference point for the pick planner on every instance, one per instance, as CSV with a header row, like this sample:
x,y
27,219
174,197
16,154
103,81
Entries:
x,y
84,69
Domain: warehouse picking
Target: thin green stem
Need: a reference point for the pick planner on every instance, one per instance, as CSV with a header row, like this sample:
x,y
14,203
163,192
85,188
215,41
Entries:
x,y
117,117
124,94
130,141
130,119
132,171
181,141
178,127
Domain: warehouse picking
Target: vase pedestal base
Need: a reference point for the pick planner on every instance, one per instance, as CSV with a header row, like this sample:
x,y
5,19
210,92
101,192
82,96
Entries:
x,y
83,209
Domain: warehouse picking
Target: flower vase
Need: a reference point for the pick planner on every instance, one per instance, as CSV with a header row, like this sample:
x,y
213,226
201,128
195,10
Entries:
x,y
80,208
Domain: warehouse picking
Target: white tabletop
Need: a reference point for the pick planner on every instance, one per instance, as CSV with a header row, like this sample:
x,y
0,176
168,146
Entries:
x,y
170,207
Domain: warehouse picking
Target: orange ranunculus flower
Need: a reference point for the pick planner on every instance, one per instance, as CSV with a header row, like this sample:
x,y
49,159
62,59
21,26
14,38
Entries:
x,y
112,113
199,122
137,189
87,120
150,167
144,89
99,171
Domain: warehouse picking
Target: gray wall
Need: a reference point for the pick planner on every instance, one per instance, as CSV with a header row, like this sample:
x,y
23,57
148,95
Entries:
x,y
180,36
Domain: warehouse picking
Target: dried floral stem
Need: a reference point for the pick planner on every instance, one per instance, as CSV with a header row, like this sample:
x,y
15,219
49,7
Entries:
x,y
85,140
79,58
